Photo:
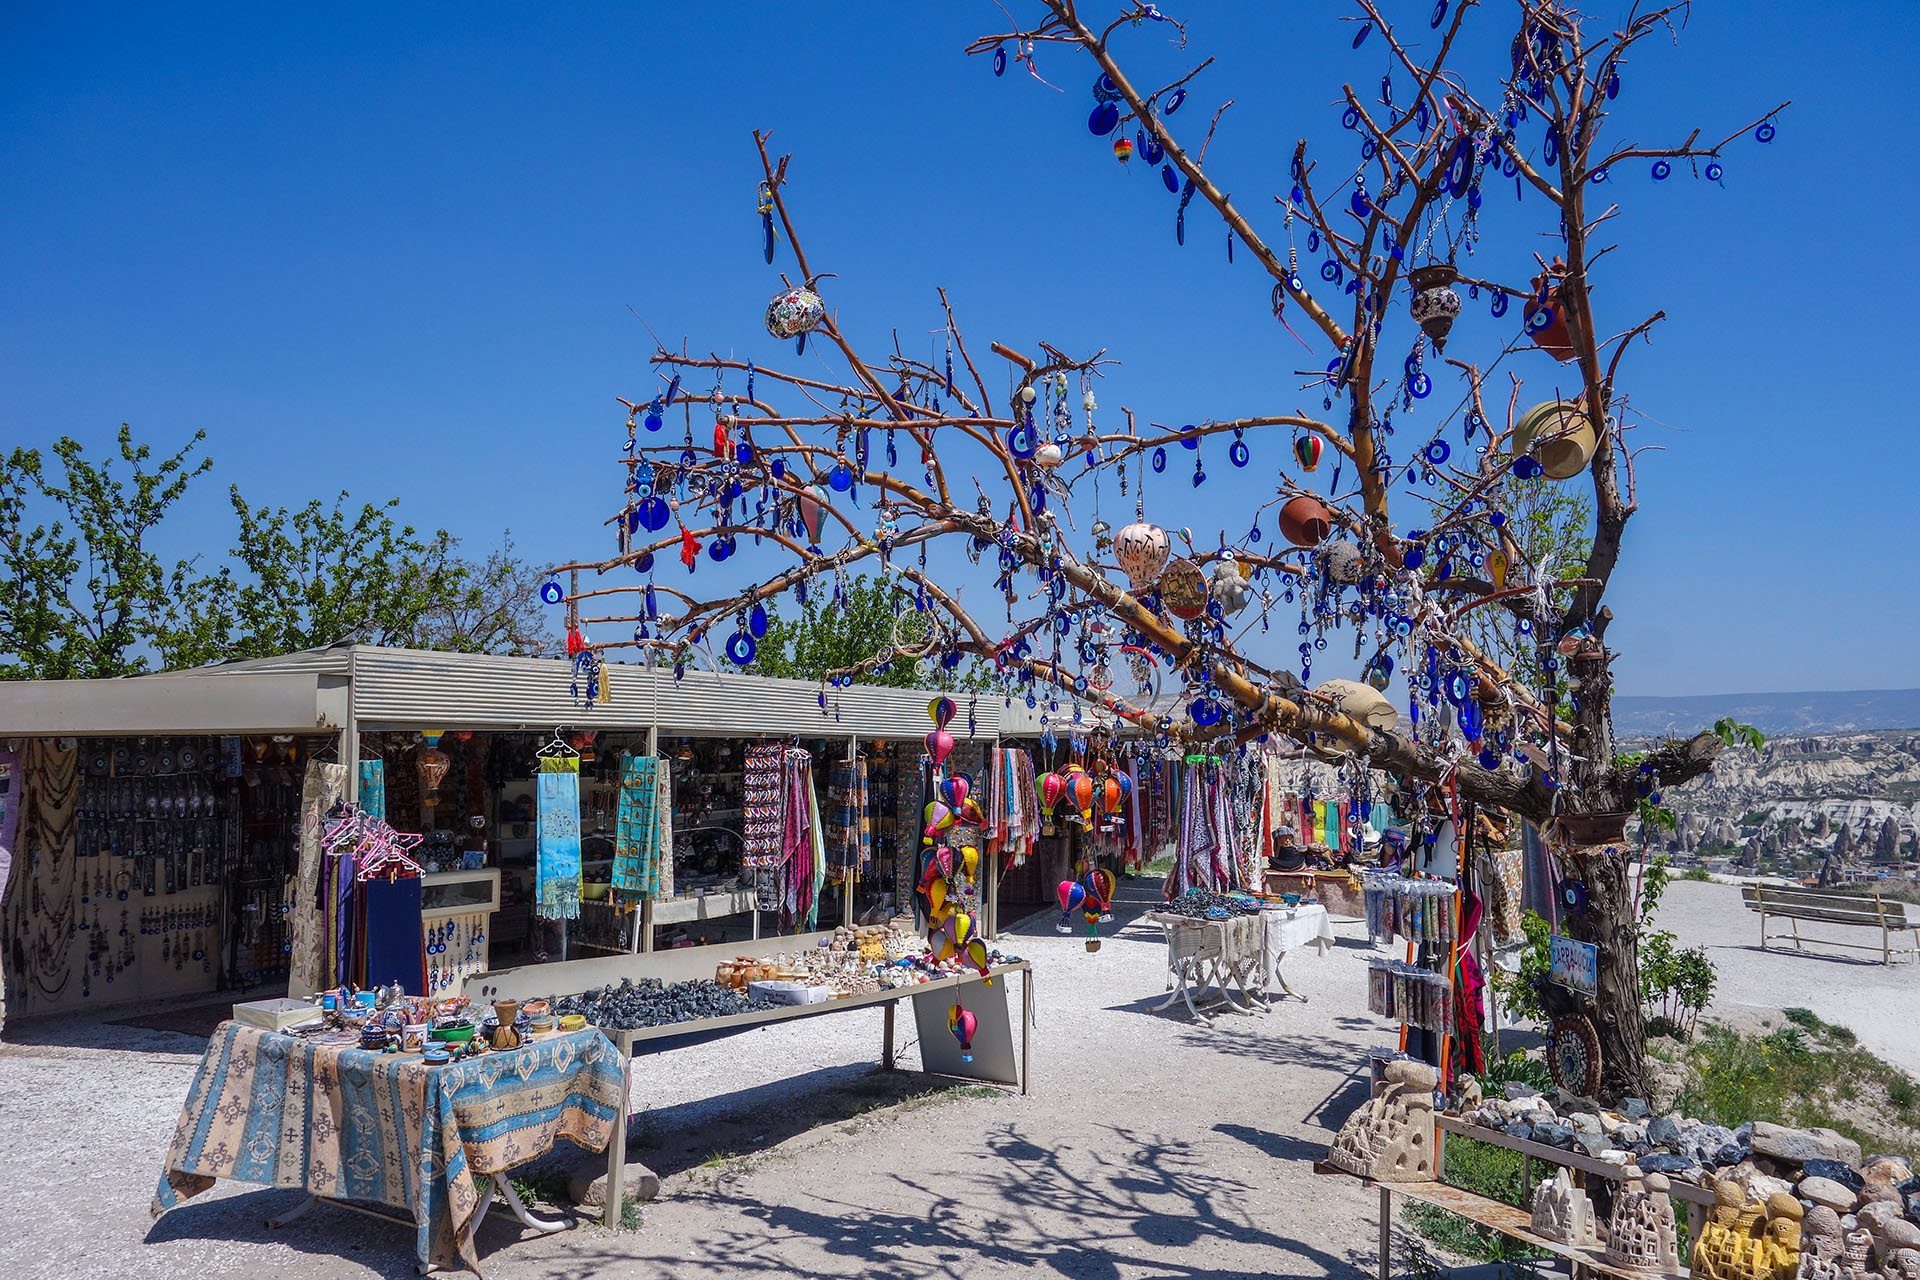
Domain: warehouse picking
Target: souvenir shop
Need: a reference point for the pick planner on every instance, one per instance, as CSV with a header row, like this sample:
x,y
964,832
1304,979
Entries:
x,y
455,813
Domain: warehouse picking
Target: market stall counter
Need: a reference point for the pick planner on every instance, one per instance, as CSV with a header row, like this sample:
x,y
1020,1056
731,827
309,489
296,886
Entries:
x,y
984,1052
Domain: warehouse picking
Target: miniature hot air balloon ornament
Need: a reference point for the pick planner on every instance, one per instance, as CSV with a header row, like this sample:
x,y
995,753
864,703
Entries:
x,y
1306,451
940,742
959,930
975,953
1070,894
1141,551
970,862
1080,793
1053,789
954,790
962,1023
1497,567
1123,149
812,504
938,817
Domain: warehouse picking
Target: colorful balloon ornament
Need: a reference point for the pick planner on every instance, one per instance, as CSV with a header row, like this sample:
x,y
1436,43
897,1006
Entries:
x,y
962,1024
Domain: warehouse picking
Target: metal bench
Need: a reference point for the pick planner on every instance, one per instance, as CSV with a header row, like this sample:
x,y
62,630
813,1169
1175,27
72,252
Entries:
x,y
1824,906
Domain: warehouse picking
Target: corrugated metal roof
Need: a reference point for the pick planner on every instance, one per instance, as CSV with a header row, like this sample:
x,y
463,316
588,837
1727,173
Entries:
x,y
331,660
413,688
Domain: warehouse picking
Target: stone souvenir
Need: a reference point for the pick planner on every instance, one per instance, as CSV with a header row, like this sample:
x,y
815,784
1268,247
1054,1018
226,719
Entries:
x,y
1640,1232
1562,1212
1748,1239
1390,1138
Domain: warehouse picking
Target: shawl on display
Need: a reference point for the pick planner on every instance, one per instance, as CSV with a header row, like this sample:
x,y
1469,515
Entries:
x,y
373,788
763,802
558,876
850,834
308,966
391,936
663,808
636,832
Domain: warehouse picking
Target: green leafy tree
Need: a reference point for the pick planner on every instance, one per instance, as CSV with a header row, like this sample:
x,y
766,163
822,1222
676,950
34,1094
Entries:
x,y
85,594
832,635
319,575
1549,525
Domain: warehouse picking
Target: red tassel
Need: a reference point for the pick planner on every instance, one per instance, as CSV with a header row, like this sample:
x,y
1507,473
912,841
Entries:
x,y
722,446
689,548
576,643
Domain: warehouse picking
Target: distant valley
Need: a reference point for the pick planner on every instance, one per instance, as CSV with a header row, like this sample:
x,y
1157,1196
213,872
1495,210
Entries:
x,y
1851,711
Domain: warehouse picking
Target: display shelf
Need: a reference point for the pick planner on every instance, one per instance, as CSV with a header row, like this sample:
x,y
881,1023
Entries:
x,y
459,893
703,906
1495,1215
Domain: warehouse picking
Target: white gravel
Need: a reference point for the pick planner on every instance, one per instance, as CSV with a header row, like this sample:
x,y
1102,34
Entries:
x,y
1149,1147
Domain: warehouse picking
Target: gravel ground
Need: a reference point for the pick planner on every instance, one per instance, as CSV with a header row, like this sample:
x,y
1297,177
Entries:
x,y
1148,1147
1881,1003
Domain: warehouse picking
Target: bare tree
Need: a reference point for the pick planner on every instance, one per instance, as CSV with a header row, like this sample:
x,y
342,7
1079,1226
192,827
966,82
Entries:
x,y
898,453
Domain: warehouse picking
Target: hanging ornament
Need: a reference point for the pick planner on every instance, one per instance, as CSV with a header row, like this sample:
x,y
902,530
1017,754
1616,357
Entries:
x,y
1306,451
1435,305
1049,455
552,592
1183,590
1141,550
795,313
1344,562
1305,521
1122,149
812,503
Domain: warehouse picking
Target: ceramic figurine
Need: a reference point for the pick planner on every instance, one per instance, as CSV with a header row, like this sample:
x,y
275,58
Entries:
x,y
1390,1138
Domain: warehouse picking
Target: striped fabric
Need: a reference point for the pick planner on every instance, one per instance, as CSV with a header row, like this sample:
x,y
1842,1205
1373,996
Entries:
x,y
387,1129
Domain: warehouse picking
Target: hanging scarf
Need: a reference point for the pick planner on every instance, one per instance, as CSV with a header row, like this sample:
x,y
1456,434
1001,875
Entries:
x,y
324,787
663,823
849,835
558,874
763,804
373,788
636,833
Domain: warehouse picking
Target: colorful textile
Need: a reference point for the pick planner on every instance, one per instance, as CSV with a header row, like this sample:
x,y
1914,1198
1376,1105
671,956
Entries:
x,y
308,964
13,792
392,936
558,874
636,832
349,1124
763,805
373,788
663,806
850,830
1500,876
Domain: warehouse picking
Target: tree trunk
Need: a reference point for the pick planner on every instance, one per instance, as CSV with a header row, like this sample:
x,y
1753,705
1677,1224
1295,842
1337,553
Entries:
x,y
1610,923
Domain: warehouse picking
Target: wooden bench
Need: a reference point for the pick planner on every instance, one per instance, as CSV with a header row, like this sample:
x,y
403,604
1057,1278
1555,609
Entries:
x,y
1825,906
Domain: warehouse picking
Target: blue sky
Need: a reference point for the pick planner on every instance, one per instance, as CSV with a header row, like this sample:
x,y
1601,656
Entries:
x,y
400,250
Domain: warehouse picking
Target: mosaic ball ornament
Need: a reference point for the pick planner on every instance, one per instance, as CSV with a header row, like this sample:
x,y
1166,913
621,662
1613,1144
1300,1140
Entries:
x,y
794,312
1141,549
1344,562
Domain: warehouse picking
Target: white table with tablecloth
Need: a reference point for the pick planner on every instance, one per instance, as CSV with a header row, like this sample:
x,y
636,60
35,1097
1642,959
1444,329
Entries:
x,y
1284,929
1236,961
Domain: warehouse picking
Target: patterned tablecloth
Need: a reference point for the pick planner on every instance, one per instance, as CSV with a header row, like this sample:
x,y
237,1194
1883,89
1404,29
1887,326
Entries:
x,y
348,1124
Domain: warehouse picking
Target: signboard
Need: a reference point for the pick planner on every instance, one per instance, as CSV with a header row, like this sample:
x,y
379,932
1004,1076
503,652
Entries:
x,y
1575,964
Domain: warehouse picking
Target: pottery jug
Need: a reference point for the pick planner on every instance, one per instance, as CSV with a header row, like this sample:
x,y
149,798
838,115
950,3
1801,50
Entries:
x,y
506,1036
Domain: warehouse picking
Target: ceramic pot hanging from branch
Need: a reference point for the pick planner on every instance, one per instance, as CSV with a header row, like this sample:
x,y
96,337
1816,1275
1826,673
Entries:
x,y
1306,521
1559,435
1546,314
1435,305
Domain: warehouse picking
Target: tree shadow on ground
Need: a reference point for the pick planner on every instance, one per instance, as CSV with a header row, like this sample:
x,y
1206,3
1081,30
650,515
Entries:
x,y
1123,1203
